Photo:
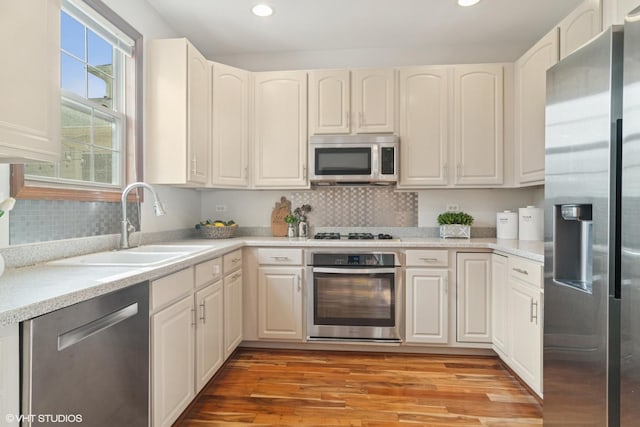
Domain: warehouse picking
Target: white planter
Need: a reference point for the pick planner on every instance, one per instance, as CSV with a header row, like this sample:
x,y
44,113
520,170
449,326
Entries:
x,y
457,231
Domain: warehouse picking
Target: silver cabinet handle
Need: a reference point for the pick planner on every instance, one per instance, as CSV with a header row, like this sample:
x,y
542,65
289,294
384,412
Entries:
x,y
534,312
299,282
193,317
194,165
446,286
521,271
202,307
429,259
236,276
281,258
304,171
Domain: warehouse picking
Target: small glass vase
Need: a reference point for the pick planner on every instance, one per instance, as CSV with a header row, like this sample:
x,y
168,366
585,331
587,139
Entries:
x,y
292,231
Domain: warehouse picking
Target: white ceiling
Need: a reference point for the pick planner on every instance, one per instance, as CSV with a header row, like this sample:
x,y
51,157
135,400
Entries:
x,y
227,27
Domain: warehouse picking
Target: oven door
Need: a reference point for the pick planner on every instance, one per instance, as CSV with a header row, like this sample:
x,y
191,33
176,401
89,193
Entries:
x,y
354,303
344,162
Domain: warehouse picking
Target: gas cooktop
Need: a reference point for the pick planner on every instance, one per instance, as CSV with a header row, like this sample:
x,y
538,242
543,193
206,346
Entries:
x,y
352,236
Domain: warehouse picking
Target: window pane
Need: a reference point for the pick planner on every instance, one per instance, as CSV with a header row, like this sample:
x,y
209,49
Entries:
x,y
76,125
74,163
103,135
100,53
100,88
103,165
72,75
72,36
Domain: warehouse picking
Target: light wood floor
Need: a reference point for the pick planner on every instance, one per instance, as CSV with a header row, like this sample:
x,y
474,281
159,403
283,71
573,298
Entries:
x,y
318,388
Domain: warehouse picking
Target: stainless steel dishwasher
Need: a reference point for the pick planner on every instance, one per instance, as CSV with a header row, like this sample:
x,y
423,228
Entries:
x,y
88,364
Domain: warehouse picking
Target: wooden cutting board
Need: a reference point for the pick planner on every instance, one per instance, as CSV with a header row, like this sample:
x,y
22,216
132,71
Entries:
x,y
282,209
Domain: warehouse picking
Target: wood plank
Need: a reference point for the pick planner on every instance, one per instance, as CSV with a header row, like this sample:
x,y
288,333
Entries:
x,y
323,388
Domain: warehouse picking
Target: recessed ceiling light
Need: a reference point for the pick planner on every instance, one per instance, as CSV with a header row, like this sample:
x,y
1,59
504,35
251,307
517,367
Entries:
x,y
466,3
262,10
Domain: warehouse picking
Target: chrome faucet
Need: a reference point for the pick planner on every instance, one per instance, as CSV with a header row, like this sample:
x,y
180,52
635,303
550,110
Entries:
x,y
126,226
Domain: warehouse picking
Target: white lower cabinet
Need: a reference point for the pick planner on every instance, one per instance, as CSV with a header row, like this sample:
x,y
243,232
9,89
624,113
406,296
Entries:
x,y
173,361
280,303
517,304
499,304
427,298
473,278
9,374
232,312
209,333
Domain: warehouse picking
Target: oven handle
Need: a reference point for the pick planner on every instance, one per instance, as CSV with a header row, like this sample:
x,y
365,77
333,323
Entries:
x,y
354,270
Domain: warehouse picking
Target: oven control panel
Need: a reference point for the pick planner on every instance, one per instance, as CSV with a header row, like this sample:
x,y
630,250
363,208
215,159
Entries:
x,y
355,259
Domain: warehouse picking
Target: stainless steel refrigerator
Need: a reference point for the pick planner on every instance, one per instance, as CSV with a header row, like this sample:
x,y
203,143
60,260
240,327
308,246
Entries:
x,y
592,234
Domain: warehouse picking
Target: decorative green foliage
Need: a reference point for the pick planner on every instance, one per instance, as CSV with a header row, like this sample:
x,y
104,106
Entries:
x,y
455,218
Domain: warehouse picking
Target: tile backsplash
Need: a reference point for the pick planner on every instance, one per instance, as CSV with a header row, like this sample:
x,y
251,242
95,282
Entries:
x,y
45,220
359,206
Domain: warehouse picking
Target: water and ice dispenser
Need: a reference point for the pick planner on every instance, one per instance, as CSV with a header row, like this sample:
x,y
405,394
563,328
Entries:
x,y
573,246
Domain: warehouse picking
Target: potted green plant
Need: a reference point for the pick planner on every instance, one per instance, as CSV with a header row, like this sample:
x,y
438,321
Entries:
x,y
292,220
455,224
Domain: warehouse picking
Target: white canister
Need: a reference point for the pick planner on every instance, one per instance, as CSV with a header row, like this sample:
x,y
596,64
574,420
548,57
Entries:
x,y
531,223
507,225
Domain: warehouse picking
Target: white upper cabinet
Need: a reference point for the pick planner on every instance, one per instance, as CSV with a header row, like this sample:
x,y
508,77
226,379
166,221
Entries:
x,y
614,11
178,114
580,26
280,129
425,123
230,126
30,81
478,124
531,86
373,100
329,101
357,101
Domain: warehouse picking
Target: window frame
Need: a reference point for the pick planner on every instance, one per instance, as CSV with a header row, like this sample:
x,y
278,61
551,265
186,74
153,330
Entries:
x,y
133,129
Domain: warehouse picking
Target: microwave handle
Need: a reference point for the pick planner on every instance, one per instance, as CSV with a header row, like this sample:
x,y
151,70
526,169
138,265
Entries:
x,y
375,160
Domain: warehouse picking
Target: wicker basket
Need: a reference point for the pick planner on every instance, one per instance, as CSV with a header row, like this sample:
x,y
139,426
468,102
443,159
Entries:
x,y
217,232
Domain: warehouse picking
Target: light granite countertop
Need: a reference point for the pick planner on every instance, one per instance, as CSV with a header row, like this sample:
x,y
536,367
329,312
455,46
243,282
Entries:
x,y
27,292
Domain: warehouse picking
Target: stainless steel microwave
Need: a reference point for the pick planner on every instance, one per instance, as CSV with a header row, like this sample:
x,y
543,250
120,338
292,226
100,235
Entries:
x,y
366,158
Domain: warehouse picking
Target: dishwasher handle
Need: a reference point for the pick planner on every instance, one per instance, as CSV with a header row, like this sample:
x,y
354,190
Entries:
x,y
78,334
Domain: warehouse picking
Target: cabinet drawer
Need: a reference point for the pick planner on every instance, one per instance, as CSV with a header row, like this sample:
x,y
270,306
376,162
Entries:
x,y
208,271
526,270
424,258
232,261
171,288
280,256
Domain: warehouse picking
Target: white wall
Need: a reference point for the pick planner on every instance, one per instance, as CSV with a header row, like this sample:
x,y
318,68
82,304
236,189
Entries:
x,y
182,205
253,208
4,193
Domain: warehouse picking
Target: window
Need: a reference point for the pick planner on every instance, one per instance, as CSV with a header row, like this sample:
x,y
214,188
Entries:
x,y
100,67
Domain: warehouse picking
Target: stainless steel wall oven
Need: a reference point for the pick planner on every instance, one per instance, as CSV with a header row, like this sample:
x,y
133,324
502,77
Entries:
x,y
354,296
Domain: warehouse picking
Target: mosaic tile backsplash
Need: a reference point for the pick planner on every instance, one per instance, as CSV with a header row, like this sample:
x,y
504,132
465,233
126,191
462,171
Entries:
x,y
359,207
45,220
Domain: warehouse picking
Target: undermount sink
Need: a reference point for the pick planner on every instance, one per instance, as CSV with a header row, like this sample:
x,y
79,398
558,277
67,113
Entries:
x,y
143,256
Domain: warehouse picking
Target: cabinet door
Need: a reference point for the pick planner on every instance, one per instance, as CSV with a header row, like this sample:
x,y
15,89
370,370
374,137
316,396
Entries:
x,y
425,94
209,333
580,26
198,113
373,105
232,312
329,102
525,338
230,127
9,373
30,81
172,361
426,306
280,302
474,297
531,87
499,303
478,133
280,129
